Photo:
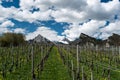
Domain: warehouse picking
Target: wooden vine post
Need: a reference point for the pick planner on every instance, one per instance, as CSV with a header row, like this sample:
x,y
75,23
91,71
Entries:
x,y
78,75
83,73
119,53
109,62
32,58
73,77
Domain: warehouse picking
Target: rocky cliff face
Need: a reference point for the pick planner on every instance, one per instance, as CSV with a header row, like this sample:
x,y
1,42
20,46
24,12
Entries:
x,y
114,39
85,40
40,39
88,40
66,40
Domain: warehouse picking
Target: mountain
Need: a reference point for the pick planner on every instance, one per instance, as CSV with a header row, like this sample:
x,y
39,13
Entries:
x,y
88,40
114,39
85,40
39,39
66,40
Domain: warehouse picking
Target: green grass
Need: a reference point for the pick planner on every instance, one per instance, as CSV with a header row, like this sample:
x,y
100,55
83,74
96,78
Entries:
x,y
54,69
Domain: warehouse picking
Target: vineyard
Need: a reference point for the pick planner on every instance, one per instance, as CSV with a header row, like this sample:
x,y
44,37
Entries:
x,y
59,62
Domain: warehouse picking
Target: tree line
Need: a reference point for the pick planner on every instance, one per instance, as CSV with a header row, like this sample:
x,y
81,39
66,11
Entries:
x,y
12,39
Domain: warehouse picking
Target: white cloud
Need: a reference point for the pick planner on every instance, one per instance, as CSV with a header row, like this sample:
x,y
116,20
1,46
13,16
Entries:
x,y
7,24
102,11
7,13
111,28
32,17
4,26
4,30
71,5
19,30
70,11
112,5
26,4
89,28
90,10
23,13
45,32
66,10
76,11
65,15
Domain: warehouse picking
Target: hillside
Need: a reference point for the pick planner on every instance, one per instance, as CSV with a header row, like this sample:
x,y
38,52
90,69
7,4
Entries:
x,y
84,39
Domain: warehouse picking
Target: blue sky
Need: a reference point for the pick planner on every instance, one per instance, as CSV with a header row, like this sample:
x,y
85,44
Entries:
x,y
56,19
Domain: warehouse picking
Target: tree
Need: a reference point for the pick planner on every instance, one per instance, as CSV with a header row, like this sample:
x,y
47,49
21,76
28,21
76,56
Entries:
x,y
12,39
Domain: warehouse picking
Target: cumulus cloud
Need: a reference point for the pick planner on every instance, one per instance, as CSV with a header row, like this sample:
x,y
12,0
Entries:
x,y
24,12
76,11
70,11
4,30
65,15
90,10
7,13
45,32
109,29
102,11
4,26
7,24
32,17
90,28
19,30
93,28
70,4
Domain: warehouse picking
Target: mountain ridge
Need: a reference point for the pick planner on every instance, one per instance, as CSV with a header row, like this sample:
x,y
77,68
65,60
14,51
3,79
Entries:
x,y
88,40
83,39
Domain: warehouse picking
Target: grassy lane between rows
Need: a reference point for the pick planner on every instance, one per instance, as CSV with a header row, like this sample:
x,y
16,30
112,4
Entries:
x,y
54,69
